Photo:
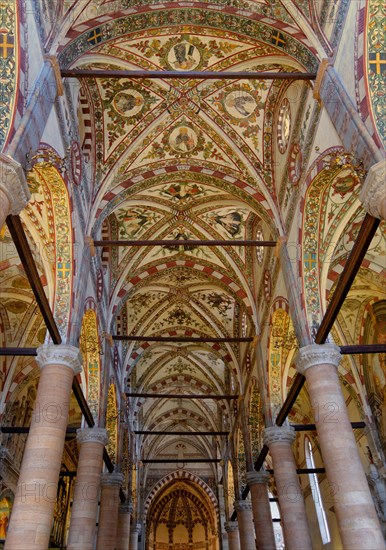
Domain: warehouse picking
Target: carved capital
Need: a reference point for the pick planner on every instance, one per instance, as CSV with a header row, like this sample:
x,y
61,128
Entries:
x,y
14,184
136,528
254,478
373,192
243,505
113,478
279,434
62,354
92,435
231,526
56,68
324,64
316,355
126,508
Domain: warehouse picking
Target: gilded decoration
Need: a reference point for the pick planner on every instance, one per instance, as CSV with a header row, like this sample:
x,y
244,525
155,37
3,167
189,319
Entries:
x,y
112,422
8,64
376,63
89,346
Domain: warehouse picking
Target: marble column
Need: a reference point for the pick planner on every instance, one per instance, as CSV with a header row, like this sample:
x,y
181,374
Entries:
x,y
124,516
262,517
357,519
108,512
373,192
87,485
232,528
296,532
134,533
33,508
14,191
245,521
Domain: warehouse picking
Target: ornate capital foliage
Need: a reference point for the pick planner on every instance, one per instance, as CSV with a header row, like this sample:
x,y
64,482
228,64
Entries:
x,y
243,505
63,354
114,478
316,355
279,434
373,193
136,528
254,478
231,526
14,184
92,435
126,508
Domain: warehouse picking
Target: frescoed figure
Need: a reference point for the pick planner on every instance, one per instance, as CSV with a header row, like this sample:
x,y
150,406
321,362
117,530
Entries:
x,y
183,139
128,103
184,56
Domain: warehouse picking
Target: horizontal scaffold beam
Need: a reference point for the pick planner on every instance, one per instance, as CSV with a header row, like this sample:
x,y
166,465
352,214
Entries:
x,y
304,471
160,432
181,396
312,427
178,242
191,339
186,75
179,460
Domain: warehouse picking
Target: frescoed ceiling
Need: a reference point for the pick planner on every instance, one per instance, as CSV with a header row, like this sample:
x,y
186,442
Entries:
x,y
184,159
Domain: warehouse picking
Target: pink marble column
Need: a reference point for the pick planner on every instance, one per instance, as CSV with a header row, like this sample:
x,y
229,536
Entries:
x,y
373,191
296,532
262,518
232,528
134,533
108,512
86,494
357,519
33,509
245,521
14,191
124,516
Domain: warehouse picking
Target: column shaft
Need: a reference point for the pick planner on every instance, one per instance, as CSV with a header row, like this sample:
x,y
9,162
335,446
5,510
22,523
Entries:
x,y
31,518
87,485
135,530
357,519
261,507
108,514
246,528
292,509
232,528
123,536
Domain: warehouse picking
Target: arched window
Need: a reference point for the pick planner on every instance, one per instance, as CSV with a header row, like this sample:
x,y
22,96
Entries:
x,y
314,483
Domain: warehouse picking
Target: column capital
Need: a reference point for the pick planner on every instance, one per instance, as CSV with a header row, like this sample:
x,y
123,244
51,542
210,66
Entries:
x,y
92,435
254,478
231,526
136,528
60,354
316,355
278,434
243,505
113,478
373,192
14,184
126,508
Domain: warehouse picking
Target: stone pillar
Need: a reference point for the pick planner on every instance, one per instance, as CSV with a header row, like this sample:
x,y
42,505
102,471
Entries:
x,y
33,508
373,192
245,521
86,494
124,516
232,528
352,131
48,86
108,512
296,532
357,519
134,532
14,191
262,517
